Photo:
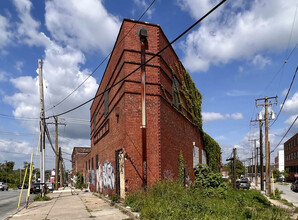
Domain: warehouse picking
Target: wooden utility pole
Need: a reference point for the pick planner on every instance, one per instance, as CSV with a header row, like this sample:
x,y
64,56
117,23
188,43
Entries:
x,y
56,150
267,147
255,158
42,124
261,156
56,153
61,168
234,168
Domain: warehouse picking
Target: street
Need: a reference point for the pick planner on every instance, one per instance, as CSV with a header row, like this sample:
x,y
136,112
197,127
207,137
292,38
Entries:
x,y
9,202
288,194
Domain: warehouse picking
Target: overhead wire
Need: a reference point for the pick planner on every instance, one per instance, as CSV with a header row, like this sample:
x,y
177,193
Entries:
x,y
285,97
101,61
285,134
152,57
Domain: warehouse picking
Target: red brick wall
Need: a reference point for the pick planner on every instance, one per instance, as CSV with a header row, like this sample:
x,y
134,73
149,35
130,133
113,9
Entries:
x,y
168,131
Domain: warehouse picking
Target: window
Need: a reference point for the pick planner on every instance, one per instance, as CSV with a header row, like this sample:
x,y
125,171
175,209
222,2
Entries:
x,y
92,164
86,165
175,88
94,122
106,102
196,156
96,162
204,157
89,164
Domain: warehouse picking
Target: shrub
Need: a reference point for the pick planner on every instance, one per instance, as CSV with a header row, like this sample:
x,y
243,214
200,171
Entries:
x,y
39,198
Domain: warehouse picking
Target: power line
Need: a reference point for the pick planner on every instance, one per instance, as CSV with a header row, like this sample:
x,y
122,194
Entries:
x,y
285,134
101,61
285,97
155,55
19,118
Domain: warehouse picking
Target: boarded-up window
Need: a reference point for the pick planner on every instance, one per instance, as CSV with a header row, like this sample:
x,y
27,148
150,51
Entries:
x,y
175,87
96,160
106,102
204,157
195,156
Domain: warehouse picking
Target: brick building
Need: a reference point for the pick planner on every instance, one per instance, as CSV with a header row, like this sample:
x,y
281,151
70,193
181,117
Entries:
x,y
121,158
291,156
77,157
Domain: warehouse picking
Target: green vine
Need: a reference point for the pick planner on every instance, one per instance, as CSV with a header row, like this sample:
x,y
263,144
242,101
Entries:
x,y
193,102
181,169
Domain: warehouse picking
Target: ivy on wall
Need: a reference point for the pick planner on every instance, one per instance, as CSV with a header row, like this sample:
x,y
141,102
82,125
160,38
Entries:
x,y
193,102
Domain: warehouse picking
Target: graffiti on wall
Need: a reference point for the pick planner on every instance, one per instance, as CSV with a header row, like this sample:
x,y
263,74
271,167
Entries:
x,y
99,179
108,176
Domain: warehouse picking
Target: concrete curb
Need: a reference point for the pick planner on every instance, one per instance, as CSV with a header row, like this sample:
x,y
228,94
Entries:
x,y
127,211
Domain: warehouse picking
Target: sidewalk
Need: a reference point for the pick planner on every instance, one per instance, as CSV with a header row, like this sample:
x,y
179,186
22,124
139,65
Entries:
x,y
65,205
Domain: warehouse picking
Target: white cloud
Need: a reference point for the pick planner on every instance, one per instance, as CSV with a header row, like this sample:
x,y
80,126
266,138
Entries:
x,y
238,32
214,116
3,76
19,65
62,73
27,29
260,61
85,25
240,93
142,4
236,116
291,105
5,33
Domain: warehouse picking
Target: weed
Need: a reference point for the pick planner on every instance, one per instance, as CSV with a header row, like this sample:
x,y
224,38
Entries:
x,y
39,198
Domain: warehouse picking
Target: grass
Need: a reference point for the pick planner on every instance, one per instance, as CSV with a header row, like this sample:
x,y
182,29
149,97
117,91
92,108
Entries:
x,y
39,198
278,197
171,201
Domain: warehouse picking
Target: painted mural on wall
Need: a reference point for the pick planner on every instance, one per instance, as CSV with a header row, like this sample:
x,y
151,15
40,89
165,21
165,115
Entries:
x,y
105,176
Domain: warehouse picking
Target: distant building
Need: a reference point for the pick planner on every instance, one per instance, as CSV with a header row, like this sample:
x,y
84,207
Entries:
x,y
77,156
291,156
118,163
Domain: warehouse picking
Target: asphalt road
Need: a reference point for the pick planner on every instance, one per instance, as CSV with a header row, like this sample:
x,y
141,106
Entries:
x,y
288,194
9,202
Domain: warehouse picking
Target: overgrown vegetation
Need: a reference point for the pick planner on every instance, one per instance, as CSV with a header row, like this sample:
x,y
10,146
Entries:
x,y
208,198
39,198
181,176
193,102
240,169
80,181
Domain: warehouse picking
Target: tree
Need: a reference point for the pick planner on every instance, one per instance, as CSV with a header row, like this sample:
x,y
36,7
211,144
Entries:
x,y
240,169
276,173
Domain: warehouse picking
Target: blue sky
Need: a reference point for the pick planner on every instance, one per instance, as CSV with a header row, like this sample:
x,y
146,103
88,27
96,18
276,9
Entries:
x,y
235,56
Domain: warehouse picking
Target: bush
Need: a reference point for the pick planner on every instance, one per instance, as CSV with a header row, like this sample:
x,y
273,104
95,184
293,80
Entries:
x,y
168,200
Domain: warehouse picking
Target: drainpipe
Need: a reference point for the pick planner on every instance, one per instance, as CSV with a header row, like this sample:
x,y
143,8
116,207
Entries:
x,y
143,34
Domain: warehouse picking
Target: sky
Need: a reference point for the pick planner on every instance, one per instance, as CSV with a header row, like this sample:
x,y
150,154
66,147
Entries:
x,y
245,50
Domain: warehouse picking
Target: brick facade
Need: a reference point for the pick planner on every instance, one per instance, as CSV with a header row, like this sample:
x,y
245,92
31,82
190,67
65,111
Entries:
x,y
291,156
116,136
77,158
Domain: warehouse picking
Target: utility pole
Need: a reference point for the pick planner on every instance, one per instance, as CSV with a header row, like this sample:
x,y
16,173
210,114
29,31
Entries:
x,y
143,34
42,125
56,153
56,150
255,150
61,167
261,156
234,168
267,147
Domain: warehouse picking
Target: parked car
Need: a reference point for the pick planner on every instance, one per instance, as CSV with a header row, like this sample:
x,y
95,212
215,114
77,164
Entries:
x,y
243,183
3,186
25,186
294,186
35,188
50,186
